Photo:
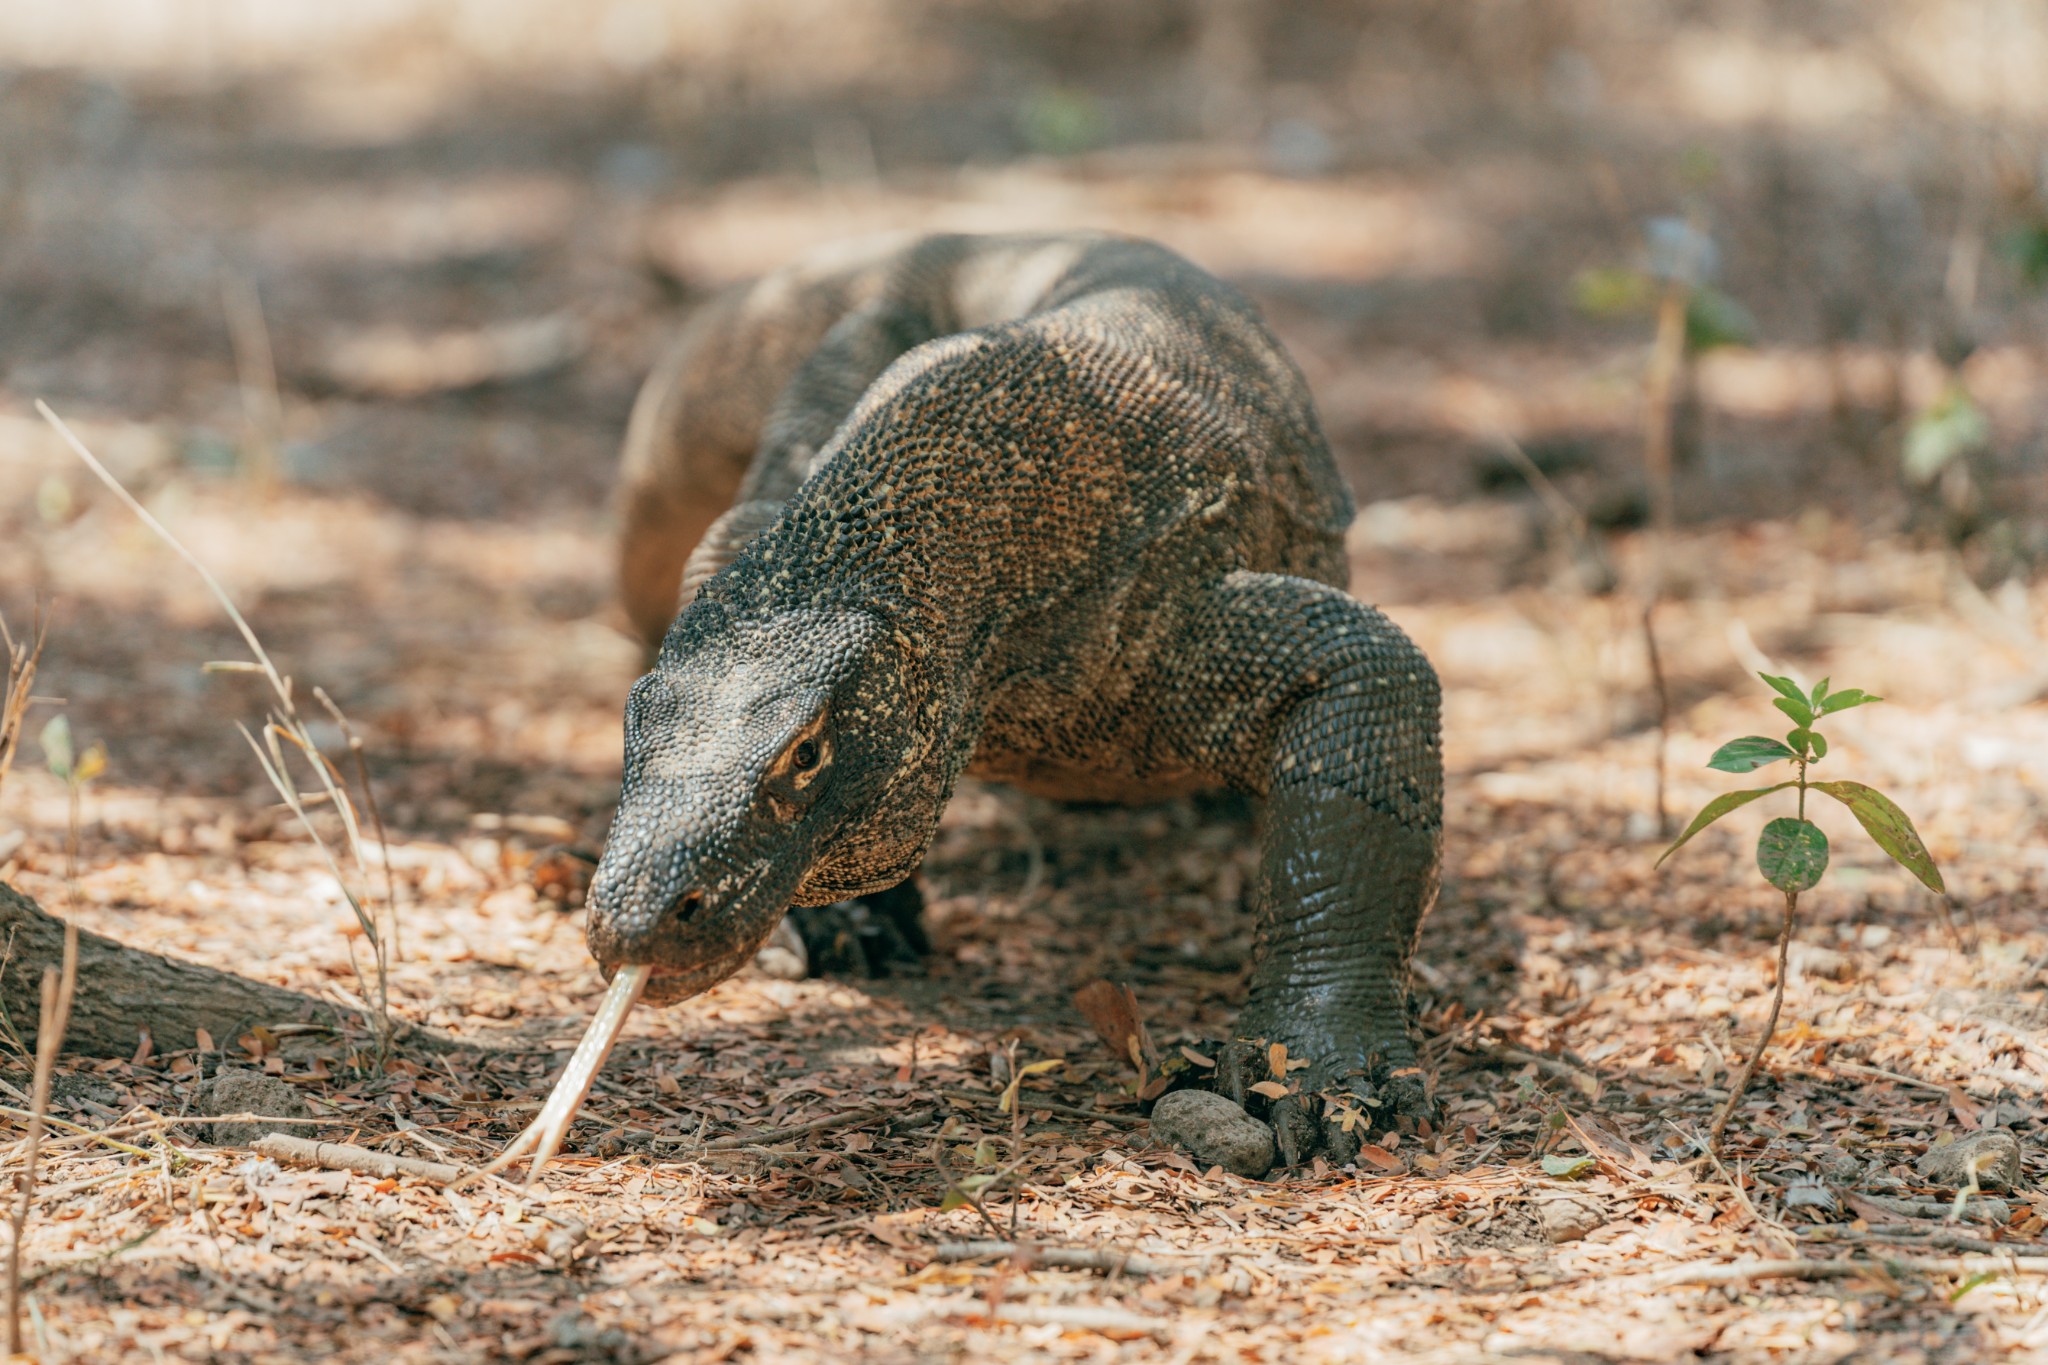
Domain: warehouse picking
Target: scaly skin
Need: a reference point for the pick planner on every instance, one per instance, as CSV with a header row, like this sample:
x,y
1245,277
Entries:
x,y
1053,511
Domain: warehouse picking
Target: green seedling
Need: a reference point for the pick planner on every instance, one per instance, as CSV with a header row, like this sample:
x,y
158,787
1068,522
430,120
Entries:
x,y
74,770
1792,852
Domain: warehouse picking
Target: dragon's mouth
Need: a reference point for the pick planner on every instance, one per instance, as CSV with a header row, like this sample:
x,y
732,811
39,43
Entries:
x,y
688,957
668,985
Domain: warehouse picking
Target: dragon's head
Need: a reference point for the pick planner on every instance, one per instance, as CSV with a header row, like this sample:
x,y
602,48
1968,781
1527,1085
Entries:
x,y
761,753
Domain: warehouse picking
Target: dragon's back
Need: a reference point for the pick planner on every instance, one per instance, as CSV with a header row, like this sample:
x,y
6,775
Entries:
x,y
1037,453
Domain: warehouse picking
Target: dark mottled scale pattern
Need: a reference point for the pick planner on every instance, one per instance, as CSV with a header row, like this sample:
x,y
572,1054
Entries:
x,y
1055,511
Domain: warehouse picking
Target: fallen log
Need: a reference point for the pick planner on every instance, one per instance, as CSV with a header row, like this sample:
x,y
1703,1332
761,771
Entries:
x,y
123,990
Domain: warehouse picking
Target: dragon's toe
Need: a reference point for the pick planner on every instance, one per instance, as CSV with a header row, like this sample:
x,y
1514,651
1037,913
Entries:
x,y
1319,1109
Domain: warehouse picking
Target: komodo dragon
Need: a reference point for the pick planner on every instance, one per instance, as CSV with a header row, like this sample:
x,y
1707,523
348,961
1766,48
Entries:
x,y
1054,511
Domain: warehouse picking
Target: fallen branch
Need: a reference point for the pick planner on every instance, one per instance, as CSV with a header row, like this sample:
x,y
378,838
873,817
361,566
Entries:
x,y
344,1156
1058,1258
125,990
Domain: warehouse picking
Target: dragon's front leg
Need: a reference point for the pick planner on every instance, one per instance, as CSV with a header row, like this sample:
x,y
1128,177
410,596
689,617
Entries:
x,y
1322,704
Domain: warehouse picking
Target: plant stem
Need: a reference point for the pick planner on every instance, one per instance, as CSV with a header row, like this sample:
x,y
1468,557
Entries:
x,y
1663,713
1770,1024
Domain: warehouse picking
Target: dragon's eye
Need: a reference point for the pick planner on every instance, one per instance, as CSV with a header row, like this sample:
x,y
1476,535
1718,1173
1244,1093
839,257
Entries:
x,y
805,757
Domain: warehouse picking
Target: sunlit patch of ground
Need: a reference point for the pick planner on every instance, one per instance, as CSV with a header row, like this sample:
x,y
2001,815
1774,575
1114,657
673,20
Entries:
x,y
1553,936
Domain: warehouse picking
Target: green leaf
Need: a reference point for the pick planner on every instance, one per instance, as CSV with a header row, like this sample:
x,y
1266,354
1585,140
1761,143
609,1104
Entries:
x,y
2027,248
1714,320
1889,827
1749,753
1810,743
1061,120
1820,692
1981,1277
1792,854
91,764
1568,1167
1950,427
57,751
1613,292
1784,687
1717,808
1801,713
1846,698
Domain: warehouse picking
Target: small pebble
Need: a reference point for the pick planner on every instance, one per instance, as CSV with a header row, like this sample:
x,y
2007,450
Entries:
x,y
248,1092
1992,1152
783,956
1567,1215
1215,1131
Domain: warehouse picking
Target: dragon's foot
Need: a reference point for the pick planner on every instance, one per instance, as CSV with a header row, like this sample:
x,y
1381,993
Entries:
x,y
1326,1106
877,935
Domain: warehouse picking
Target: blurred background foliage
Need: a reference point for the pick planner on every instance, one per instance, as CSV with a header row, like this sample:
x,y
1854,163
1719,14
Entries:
x,y
1460,216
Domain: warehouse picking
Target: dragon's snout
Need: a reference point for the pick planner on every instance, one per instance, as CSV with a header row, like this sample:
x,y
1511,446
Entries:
x,y
693,940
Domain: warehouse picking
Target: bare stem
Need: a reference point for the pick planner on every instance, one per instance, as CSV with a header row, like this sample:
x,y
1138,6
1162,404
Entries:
x,y
1667,357
56,1015
1663,713
355,748
1770,1027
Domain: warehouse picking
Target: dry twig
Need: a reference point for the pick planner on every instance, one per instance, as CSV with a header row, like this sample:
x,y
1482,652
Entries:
x,y
346,1156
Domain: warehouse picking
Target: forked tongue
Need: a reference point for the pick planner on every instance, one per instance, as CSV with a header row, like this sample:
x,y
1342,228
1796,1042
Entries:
x,y
543,1137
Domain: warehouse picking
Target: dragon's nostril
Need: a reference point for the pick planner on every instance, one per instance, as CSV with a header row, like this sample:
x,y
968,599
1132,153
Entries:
x,y
688,906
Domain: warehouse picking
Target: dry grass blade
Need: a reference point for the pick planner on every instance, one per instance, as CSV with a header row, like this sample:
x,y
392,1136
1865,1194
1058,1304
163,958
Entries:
x,y
220,594
284,723
543,1137
256,369
22,658
56,1015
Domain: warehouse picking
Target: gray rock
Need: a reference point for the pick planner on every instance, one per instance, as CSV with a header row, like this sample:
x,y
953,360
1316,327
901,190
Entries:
x,y
248,1092
1567,1215
1992,1152
783,956
1215,1132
